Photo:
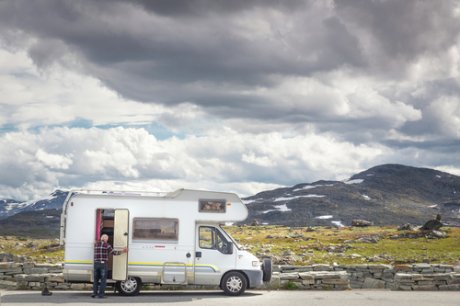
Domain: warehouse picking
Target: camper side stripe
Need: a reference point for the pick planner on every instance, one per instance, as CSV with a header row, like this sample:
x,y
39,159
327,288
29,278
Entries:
x,y
160,264
149,264
78,262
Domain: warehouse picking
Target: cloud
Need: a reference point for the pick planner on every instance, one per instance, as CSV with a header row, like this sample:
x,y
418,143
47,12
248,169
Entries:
x,y
250,59
444,113
34,97
69,157
236,94
53,161
124,158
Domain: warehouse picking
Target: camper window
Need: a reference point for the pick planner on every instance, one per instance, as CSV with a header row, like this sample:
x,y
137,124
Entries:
x,y
155,229
212,206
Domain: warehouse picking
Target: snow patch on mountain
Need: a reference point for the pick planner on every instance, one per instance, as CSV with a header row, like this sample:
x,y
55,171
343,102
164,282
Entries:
x,y
337,223
326,217
9,208
298,197
312,187
355,181
281,208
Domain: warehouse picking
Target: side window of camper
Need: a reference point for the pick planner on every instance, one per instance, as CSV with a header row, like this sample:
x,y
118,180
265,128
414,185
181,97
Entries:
x,y
211,238
212,206
155,229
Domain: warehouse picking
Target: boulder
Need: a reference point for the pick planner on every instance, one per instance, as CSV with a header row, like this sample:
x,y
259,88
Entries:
x,y
361,223
432,225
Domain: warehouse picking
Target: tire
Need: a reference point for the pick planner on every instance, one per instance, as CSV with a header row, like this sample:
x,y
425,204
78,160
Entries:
x,y
131,286
234,283
267,270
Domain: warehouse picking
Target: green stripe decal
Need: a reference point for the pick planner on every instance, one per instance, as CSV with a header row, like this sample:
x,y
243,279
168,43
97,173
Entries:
x,y
79,262
148,264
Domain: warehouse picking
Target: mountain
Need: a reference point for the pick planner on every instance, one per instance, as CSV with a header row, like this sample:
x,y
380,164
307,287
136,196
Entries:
x,y
35,224
35,219
10,207
385,194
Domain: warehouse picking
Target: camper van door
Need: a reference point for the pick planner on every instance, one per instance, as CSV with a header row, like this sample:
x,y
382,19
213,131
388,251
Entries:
x,y
214,255
120,241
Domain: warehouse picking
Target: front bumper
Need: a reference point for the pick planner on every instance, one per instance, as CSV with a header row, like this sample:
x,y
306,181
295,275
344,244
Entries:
x,y
254,277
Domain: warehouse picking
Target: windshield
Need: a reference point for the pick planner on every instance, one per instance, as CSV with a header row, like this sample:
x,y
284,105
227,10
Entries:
x,y
238,246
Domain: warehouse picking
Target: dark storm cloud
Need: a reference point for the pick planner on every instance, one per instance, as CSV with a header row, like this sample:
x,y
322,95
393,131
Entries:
x,y
112,33
400,31
204,7
232,58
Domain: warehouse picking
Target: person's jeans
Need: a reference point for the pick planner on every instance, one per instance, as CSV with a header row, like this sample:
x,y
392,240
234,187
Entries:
x,y
100,278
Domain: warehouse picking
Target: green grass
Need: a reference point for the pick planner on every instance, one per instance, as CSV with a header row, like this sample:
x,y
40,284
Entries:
x,y
37,250
322,244
303,246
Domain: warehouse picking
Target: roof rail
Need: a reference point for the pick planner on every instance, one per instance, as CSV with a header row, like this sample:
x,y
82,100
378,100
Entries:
x,y
126,193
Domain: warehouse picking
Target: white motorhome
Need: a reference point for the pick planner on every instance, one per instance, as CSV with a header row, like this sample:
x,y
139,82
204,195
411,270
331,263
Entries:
x,y
173,238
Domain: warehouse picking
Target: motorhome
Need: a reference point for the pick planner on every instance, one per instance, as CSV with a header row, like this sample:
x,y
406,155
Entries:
x,y
172,238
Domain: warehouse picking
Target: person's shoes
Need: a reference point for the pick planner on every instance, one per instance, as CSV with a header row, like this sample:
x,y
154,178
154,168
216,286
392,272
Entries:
x,y
93,295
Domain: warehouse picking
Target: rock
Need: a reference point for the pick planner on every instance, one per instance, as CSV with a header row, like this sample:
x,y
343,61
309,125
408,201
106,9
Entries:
x,y
368,239
361,223
340,248
371,283
407,227
434,224
7,284
436,234
289,276
6,257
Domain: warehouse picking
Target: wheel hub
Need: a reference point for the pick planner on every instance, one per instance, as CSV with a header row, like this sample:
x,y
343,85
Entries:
x,y
129,285
234,284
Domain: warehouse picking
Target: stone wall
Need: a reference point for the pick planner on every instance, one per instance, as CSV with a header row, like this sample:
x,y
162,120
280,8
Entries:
x,y
315,277
337,277
33,276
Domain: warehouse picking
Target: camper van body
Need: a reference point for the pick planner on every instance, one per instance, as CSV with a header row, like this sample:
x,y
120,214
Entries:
x,y
172,238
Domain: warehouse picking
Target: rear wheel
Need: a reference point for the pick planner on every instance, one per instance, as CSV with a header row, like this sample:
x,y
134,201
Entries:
x,y
234,283
130,286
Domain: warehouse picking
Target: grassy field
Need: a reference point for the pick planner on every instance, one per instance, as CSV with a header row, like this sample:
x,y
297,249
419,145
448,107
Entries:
x,y
300,246
352,245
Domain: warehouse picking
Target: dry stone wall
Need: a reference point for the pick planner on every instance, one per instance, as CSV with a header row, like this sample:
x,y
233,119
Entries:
x,y
398,277
32,276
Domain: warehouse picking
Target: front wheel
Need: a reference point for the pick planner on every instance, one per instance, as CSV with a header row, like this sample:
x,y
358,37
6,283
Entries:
x,y
130,286
234,283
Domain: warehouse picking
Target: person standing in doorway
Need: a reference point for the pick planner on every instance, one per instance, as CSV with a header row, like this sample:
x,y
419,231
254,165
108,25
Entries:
x,y
102,250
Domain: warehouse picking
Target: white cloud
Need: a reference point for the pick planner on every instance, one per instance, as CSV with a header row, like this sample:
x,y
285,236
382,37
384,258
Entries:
x,y
75,157
228,95
54,96
53,161
444,114
449,169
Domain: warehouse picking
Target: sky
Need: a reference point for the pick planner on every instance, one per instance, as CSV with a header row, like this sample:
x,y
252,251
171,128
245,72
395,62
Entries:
x,y
239,96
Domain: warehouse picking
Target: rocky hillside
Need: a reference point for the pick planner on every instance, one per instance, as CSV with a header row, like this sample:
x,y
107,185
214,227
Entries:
x,y
11,207
36,219
33,224
385,195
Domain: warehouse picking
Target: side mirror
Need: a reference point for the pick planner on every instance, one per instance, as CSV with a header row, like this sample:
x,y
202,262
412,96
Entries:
x,y
229,248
